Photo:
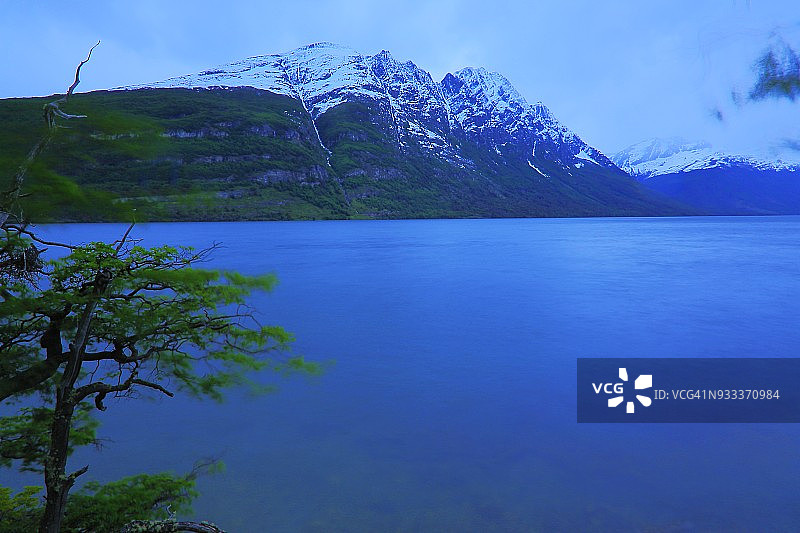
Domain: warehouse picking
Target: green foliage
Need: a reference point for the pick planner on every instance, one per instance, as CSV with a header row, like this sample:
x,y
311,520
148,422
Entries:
x,y
25,437
19,513
51,196
108,507
778,74
157,316
103,508
178,312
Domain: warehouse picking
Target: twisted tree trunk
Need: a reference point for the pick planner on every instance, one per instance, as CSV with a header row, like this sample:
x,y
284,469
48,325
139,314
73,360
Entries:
x,y
56,480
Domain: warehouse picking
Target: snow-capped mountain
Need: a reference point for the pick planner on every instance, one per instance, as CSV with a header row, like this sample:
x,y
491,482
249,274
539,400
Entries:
x,y
488,107
482,105
669,156
325,131
715,182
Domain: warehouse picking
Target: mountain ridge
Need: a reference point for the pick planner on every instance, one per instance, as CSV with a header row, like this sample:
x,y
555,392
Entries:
x,y
324,131
660,156
323,75
716,182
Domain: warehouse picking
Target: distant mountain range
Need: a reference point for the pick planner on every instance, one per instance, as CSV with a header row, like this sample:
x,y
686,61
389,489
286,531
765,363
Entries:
x,y
327,132
715,182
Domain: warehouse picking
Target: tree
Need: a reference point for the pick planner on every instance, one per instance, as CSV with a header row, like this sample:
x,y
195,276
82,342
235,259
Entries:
x,y
777,74
110,320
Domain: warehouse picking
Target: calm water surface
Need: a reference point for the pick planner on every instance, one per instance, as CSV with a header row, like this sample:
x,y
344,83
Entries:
x,y
450,405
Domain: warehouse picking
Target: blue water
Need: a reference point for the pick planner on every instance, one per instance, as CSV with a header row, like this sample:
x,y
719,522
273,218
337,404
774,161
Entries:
x,y
449,403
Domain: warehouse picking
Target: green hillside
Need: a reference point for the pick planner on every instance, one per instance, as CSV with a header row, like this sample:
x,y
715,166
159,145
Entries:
x,y
247,154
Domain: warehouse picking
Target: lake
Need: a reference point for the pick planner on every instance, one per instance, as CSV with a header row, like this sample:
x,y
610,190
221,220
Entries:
x,y
448,402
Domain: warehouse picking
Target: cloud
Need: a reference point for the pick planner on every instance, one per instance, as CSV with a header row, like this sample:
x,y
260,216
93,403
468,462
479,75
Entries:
x,y
791,144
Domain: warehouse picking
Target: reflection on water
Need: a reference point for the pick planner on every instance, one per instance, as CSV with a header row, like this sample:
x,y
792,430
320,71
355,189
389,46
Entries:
x,y
451,403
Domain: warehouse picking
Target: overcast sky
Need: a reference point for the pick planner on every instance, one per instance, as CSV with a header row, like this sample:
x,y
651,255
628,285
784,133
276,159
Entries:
x,y
614,72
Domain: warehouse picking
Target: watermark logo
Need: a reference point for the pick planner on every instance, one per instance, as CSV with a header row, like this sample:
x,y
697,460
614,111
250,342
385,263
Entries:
x,y
644,381
696,389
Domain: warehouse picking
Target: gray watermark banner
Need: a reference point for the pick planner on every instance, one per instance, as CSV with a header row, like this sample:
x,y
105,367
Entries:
x,y
689,389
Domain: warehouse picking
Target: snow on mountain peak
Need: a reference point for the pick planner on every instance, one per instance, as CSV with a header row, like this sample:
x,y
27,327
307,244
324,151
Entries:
x,y
323,44
494,89
323,75
668,156
484,101
655,149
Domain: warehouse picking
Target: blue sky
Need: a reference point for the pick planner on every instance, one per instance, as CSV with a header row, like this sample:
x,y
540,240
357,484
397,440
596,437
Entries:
x,y
614,72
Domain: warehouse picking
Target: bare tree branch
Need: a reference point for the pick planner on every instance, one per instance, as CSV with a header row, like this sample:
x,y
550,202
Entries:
x,y
22,230
51,110
124,237
73,476
151,385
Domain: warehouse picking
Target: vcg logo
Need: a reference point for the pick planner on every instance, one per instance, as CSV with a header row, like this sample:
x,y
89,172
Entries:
x,y
644,381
